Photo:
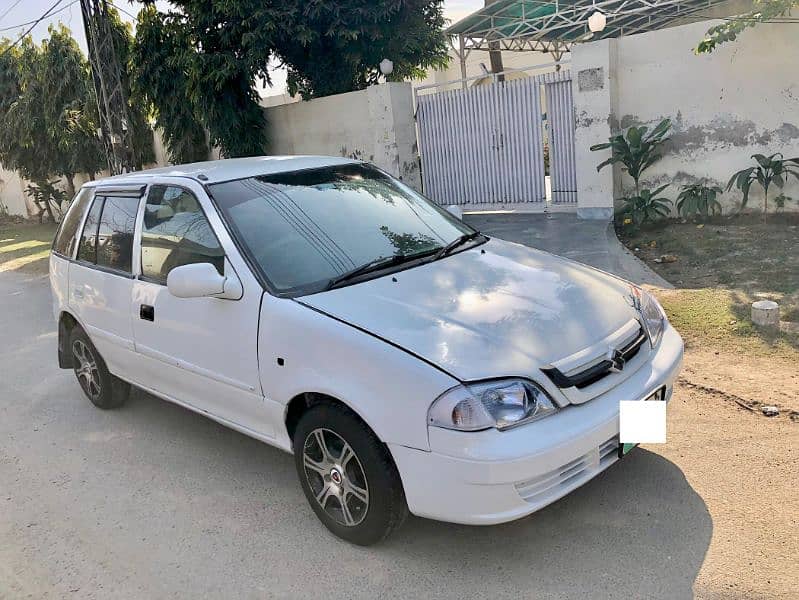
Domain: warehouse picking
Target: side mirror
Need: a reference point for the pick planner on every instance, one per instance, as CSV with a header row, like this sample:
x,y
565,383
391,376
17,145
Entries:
x,y
202,280
455,211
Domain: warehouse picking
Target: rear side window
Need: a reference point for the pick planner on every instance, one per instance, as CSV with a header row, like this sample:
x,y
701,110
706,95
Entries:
x,y
176,232
87,248
67,235
115,233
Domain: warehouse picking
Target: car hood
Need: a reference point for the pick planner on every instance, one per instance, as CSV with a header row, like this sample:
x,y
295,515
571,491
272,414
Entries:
x,y
498,309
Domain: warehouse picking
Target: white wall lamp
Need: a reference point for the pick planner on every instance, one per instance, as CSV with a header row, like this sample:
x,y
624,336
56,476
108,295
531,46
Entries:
x,y
386,67
597,22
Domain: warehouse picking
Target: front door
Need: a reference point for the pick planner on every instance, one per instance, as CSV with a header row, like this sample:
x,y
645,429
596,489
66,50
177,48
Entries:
x,y
197,351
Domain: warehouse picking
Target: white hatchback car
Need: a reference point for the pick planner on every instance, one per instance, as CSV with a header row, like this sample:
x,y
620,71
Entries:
x,y
409,362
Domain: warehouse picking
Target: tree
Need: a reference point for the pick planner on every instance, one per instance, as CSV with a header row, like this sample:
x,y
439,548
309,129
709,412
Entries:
x,y
160,74
47,113
763,12
336,46
221,48
209,54
69,107
142,133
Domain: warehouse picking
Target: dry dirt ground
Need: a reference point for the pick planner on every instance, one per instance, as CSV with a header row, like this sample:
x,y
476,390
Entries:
x,y
153,501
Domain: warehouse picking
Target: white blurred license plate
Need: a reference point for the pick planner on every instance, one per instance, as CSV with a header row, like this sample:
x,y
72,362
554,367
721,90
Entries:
x,y
636,420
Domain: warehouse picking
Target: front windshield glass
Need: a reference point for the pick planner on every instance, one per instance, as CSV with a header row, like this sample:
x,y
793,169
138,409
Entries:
x,y
305,228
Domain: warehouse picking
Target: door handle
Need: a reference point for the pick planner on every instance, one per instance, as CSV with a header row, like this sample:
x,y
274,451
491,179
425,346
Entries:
x,y
78,293
147,312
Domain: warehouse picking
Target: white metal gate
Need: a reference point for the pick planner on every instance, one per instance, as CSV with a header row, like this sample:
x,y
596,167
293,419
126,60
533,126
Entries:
x,y
485,144
560,112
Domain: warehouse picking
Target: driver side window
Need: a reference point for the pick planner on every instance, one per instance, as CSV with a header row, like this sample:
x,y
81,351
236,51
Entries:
x,y
176,232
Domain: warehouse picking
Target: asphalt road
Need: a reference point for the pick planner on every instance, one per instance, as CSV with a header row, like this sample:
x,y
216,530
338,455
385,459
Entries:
x,y
153,501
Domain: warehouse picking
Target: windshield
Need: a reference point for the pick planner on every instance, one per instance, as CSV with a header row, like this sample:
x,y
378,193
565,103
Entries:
x,y
306,228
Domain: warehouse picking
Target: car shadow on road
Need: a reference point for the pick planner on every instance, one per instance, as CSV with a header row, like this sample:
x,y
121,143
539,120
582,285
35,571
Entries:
x,y
638,530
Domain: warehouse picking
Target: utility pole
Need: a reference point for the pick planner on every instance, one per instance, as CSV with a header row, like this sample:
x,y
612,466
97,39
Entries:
x,y
112,101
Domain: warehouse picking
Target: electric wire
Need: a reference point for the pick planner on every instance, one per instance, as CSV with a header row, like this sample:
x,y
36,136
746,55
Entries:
x,y
35,23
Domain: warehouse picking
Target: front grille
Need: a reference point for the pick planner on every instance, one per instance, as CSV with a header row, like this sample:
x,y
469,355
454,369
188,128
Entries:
x,y
595,372
571,474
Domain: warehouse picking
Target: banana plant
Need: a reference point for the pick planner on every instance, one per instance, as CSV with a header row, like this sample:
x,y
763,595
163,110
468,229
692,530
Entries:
x,y
646,206
770,170
698,199
637,151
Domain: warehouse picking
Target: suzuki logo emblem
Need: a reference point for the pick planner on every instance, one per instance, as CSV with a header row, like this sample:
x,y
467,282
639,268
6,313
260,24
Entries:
x,y
617,360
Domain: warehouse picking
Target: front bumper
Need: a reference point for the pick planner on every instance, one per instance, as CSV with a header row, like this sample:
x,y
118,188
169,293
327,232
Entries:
x,y
487,477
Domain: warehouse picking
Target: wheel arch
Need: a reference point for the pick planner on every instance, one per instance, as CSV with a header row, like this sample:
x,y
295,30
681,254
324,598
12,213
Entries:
x,y
301,402
66,323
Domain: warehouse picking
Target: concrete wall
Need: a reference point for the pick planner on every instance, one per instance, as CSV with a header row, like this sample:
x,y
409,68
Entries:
x,y
740,100
375,124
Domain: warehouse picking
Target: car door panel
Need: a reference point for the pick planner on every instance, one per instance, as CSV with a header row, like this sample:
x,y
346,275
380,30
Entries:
x,y
99,295
197,351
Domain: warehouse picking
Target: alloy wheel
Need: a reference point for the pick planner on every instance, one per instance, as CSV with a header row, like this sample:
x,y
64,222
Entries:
x,y
86,369
336,477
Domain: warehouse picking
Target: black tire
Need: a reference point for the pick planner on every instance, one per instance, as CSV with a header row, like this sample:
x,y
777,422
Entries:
x,y
104,390
385,509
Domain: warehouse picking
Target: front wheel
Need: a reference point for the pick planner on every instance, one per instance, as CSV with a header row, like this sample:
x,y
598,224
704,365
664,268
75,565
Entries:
x,y
348,475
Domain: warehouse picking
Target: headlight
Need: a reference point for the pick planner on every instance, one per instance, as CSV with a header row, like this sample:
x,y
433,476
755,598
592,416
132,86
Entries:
x,y
501,404
652,315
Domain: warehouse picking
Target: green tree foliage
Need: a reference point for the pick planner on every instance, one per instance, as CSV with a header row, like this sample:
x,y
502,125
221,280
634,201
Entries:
x,y
336,46
763,12
69,108
221,48
141,131
209,54
47,111
161,75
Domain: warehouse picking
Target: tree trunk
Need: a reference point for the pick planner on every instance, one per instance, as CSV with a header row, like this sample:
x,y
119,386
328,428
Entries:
x,y
70,177
765,203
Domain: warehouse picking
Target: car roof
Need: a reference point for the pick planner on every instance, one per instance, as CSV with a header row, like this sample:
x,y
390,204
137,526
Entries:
x,y
216,171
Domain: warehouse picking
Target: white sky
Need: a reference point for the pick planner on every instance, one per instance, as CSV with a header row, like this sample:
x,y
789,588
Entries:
x,y
14,13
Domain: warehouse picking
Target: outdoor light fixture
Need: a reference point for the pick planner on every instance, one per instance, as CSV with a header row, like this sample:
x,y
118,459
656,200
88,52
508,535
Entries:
x,y
596,22
386,67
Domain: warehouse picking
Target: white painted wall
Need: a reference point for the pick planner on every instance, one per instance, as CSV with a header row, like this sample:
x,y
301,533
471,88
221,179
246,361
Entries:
x,y
375,124
740,100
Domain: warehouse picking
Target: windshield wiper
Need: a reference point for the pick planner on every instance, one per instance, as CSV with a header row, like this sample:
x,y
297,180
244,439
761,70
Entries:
x,y
381,262
459,241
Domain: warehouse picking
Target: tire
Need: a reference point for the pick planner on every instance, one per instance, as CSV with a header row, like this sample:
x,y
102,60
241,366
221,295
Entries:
x,y
101,388
367,473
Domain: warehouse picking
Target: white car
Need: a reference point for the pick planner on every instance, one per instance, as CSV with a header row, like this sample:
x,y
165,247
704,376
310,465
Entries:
x,y
409,362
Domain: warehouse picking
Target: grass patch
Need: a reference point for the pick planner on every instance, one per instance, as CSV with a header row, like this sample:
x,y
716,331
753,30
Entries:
x,y
721,267
25,247
719,318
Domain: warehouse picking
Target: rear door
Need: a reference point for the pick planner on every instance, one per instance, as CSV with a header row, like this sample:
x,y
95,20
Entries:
x,y
101,276
197,351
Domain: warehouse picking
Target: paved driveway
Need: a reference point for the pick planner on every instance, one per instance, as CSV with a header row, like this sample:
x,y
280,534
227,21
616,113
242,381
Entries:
x,y
153,501
592,242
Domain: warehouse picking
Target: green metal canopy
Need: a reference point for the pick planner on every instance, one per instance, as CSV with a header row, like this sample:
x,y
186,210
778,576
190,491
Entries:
x,y
553,26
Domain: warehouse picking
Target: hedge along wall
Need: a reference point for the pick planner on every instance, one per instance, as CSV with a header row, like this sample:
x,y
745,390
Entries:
x,y
740,100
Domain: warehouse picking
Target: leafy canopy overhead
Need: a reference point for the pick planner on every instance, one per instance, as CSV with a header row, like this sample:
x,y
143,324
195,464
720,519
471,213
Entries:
x,y
209,54
763,12
336,46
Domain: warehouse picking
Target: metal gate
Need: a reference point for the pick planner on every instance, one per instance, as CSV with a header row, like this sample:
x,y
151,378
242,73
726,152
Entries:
x,y
485,144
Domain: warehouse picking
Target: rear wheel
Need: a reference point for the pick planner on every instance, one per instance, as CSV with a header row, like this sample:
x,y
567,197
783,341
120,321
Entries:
x,y
101,388
347,475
